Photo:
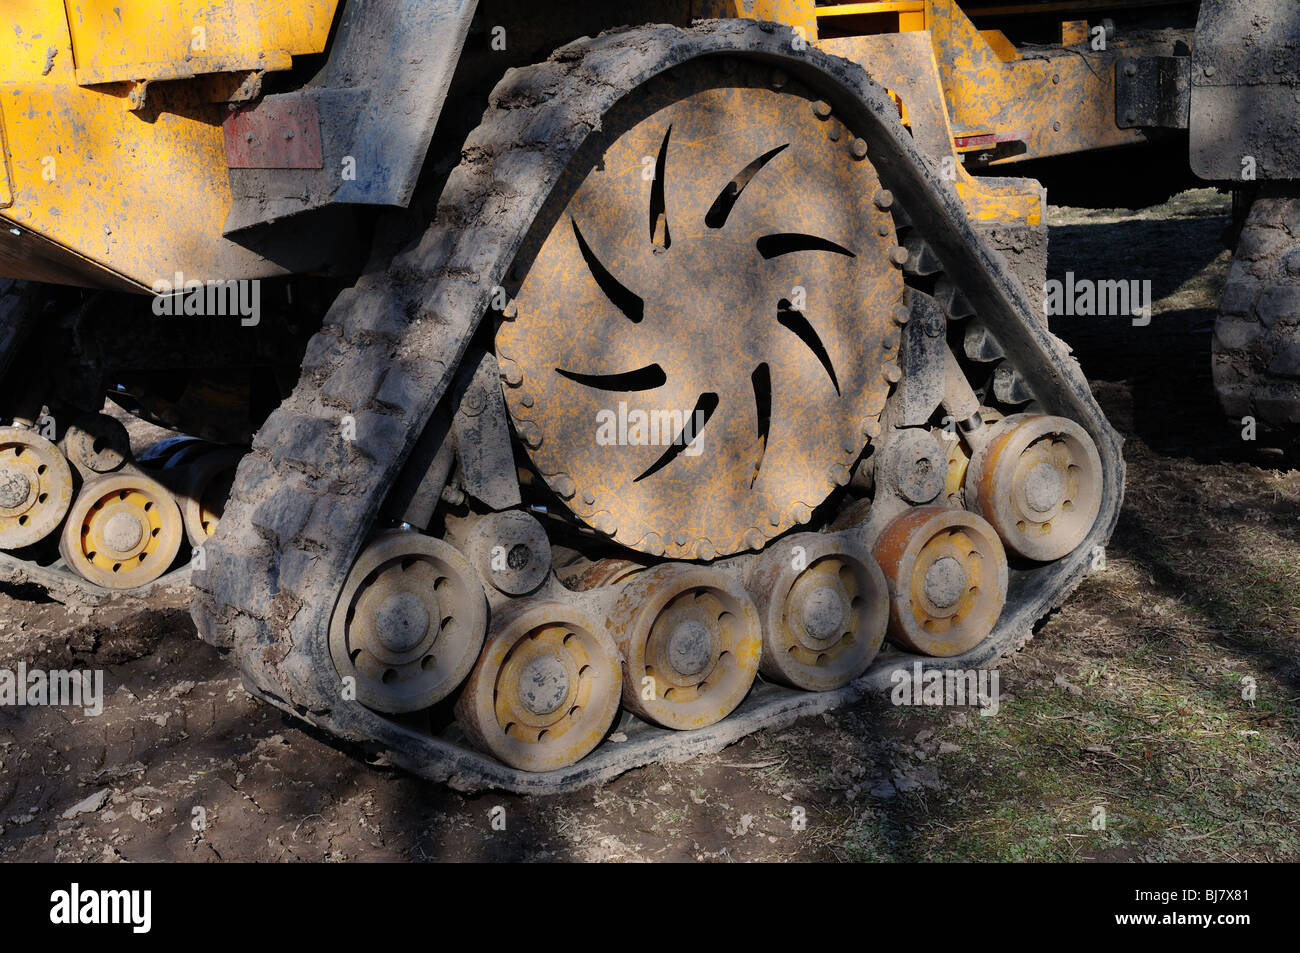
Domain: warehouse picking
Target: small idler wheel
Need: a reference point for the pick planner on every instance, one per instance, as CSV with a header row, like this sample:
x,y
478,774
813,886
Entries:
x,y
409,622
206,488
691,641
96,443
123,531
511,551
1038,481
947,575
35,487
824,605
545,690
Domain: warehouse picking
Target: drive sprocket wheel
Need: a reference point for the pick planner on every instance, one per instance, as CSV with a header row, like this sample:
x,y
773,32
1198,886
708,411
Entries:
x,y
35,487
545,689
123,531
409,623
708,317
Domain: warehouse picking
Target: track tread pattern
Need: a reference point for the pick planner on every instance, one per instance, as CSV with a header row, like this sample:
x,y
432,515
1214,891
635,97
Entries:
x,y
305,497
1256,347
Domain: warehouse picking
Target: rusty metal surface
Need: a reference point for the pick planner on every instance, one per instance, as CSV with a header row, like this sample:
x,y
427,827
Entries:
x,y
796,13
545,689
1037,480
273,135
905,64
824,605
468,229
122,531
379,96
108,197
705,412
409,623
956,614
35,487
169,39
1064,97
690,639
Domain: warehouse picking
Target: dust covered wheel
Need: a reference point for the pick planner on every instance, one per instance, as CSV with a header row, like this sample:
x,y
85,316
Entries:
x,y
1038,481
409,623
824,605
545,689
123,531
947,575
206,488
691,641
35,487
710,316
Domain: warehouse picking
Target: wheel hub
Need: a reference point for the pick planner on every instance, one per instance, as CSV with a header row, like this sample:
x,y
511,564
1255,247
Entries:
x,y
947,573
409,622
15,488
945,581
35,487
687,330
1043,487
822,612
403,621
1038,481
690,647
543,685
123,532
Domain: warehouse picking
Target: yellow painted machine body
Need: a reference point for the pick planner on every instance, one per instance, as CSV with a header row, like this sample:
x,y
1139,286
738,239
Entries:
x,y
117,158
107,179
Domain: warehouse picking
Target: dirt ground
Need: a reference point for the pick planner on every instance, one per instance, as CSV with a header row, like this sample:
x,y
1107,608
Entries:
x,y
1122,734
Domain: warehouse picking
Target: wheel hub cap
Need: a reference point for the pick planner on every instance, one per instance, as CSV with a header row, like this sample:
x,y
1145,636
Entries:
x,y
123,532
14,488
403,622
690,647
945,581
823,612
543,685
1043,487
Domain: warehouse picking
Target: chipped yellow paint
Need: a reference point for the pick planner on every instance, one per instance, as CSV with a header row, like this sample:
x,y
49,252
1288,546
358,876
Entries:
x,y
880,6
6,193
799,14
114,40
1064,101
1074,31
34,43
143,194
905,64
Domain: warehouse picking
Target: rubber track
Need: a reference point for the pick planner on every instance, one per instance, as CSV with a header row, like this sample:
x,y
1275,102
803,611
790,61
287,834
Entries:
x,y
66,586
304,499
1257,334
